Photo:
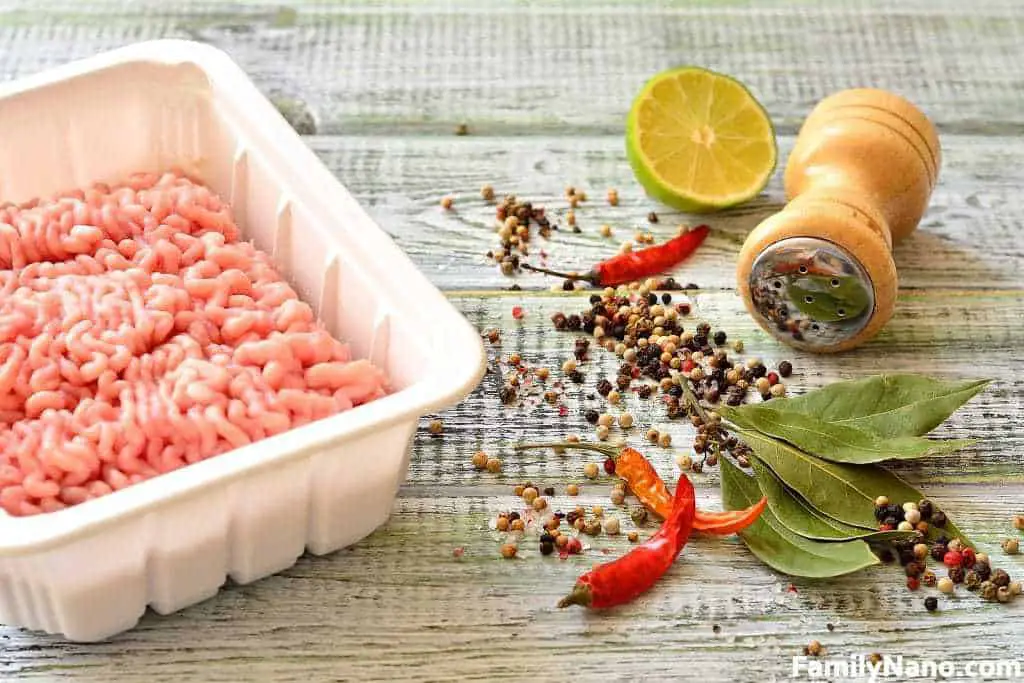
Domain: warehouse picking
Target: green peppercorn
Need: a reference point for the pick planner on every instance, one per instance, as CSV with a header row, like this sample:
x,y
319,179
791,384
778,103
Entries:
x,y
972,580
988,590
1011,546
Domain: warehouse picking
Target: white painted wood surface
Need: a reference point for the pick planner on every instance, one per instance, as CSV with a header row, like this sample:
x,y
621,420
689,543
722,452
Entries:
x,y
543,87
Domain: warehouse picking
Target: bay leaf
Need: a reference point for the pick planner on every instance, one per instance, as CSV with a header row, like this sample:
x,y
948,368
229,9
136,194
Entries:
x,y
802,518
781,549
889,405
837,441
839,490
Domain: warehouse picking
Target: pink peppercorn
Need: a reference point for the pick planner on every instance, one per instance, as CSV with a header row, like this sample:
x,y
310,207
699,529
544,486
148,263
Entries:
x,y
688,365
773,378
968,558
609,465
517,312
574,546
913,583
953,559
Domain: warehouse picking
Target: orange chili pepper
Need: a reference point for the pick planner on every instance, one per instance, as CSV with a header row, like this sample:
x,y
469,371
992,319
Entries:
x,y
643,480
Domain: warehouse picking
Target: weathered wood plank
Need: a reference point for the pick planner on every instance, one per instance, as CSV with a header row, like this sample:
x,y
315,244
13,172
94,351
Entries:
x,y
932,333
970,237
399,606
569,67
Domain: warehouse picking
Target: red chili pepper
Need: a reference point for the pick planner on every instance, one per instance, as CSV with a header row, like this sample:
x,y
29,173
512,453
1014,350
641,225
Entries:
x,y
643,480
622,580
637,265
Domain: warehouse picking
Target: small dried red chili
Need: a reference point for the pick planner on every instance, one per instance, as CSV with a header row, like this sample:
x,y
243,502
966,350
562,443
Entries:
x,y
622,580
637,265
643,480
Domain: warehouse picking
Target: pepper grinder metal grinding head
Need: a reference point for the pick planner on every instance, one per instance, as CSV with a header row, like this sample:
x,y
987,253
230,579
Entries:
x,y
819,275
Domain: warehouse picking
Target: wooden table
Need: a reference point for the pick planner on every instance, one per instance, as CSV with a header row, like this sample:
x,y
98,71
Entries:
x,y
381,88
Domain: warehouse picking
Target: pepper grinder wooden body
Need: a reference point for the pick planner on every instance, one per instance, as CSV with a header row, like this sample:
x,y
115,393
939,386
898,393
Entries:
x,y
819,274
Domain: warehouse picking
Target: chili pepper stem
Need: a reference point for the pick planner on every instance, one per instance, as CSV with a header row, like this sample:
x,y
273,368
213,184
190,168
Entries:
x,y
590,278
606,450
580,595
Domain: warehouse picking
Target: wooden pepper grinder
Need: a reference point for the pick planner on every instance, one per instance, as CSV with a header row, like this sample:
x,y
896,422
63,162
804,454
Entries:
x,y
819,275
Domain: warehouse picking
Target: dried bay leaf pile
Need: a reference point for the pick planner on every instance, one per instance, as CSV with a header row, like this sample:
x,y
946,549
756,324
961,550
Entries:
x,y
817,458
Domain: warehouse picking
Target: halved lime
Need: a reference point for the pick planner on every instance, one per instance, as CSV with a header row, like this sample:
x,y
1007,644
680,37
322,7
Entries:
x,y
698,141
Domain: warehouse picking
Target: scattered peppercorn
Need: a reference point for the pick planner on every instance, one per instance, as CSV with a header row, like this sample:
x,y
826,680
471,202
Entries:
x,y
633,536
447,203
436,427
590,470
480,460
665,440
652,217
945,585
1000,577
813,649
957,574
493,465
611,527
931,603
1011,546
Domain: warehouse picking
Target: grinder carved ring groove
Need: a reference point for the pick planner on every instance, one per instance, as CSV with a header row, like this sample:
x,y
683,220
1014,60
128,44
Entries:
x,y
819,275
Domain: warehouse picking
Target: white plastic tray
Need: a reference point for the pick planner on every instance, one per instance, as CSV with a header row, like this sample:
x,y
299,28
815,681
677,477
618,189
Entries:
x,y
90,571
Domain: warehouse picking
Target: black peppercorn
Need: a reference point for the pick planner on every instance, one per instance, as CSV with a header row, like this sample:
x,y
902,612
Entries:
x,y
938,519
604,387
549,491
622,381
926,509
891,521
666,298
938,551
591,416
513,516
547,547
547,538
576,376
507,394
982,569
720,337
957,574
931,603
896,511
885,555
559,320
573,322
652,217
1000,578
652,299
571,517
881,512
785,368
595,298
913,568
712,396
